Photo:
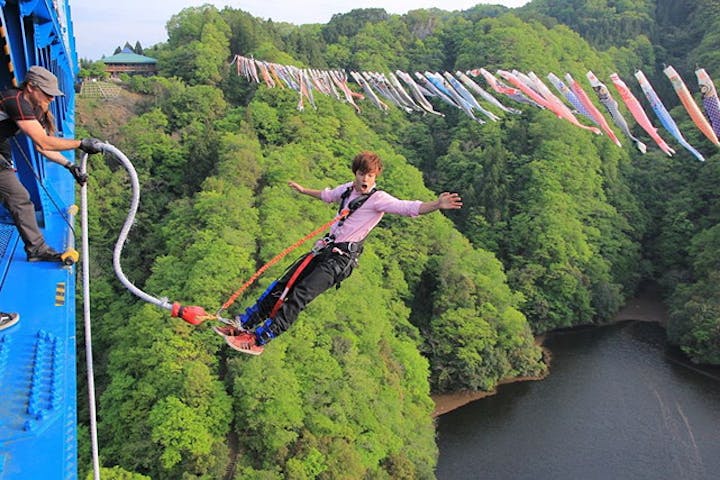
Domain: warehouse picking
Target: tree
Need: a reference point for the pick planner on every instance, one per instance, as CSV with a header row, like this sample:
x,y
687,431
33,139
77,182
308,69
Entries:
x,y
198,46
117,473
89,69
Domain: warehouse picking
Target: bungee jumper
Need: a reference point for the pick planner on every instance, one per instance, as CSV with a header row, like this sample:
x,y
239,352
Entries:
x,y
332,259
328,263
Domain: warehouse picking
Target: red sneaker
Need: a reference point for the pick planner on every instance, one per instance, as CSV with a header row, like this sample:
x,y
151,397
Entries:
x,y
245,342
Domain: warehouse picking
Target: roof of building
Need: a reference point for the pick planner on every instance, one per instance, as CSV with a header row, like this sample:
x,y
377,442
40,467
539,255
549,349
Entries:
x,y
128,57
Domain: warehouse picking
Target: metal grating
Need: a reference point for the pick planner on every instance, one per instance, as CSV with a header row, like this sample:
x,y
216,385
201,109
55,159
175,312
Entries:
x,y
6,234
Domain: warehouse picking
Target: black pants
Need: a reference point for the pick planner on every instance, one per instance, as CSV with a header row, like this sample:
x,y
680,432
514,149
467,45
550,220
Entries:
x,y
17,200
325,270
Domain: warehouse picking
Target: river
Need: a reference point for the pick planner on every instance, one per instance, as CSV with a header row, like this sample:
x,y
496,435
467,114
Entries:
x,y
618,404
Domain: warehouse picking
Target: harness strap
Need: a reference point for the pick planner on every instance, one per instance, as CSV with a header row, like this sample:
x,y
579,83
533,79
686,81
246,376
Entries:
x,y
290,284
356,203
343,214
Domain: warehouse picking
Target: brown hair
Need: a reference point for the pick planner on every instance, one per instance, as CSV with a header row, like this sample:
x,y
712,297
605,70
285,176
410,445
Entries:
x,y
367,162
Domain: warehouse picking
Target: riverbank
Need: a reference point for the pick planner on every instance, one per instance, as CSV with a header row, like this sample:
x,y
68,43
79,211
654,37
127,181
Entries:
x,y
448,402
647,307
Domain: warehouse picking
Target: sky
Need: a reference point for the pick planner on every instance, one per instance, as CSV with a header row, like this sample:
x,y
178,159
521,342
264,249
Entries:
x,y
101,26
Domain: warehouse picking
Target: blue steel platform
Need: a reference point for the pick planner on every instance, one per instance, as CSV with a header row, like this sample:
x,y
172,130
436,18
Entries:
x,y
38,424
37,368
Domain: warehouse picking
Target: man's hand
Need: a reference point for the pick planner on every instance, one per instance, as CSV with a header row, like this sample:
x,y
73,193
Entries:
x,y
449,201
446,201
80,177
296,187
91,145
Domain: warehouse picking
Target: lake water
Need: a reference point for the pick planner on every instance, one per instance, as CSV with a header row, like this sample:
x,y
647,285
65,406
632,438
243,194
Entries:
x,y
617,404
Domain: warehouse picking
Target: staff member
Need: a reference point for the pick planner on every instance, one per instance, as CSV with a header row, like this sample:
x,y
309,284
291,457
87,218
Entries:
x,y
26,109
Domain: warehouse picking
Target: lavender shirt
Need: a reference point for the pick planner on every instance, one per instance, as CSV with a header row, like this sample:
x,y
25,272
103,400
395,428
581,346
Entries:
x,y
358,225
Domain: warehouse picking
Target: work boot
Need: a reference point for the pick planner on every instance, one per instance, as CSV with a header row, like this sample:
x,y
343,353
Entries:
x,y
245,342
45,254
7,320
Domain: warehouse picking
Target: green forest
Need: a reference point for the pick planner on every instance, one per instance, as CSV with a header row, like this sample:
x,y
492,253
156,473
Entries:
x,y
559,228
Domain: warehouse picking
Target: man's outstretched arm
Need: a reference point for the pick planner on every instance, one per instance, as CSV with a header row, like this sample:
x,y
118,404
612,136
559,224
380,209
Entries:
x,y
305,191
446,201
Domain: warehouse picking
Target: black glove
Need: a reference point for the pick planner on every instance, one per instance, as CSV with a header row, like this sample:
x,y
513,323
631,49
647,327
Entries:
x,y
76,171
91,145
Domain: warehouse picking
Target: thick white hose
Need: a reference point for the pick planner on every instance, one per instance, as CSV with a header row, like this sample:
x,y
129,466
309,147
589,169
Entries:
x,y
122,237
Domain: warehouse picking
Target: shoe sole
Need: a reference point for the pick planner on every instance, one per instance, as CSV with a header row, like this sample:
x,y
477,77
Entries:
x,y
238,349
11,323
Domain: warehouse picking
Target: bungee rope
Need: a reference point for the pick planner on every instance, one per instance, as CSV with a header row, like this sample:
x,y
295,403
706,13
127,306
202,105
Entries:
x,y
191,314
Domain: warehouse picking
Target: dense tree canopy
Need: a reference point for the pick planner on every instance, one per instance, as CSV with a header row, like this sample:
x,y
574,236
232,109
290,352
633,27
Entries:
x,y
559,228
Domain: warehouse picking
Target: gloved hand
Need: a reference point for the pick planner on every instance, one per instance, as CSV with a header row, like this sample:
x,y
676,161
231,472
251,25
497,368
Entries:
x,y
80,177
91,145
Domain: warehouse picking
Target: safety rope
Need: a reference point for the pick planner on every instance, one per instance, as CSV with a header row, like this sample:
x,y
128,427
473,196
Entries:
x,y
277,258
88,330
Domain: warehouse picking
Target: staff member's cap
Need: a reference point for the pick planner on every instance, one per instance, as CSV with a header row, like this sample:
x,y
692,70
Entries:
x,y
44,80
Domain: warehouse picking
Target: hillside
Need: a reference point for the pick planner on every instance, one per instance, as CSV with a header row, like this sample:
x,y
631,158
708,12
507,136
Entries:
x,y
105,117
559,227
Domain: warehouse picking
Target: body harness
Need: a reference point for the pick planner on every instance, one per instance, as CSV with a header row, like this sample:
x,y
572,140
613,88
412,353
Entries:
x,y
352,250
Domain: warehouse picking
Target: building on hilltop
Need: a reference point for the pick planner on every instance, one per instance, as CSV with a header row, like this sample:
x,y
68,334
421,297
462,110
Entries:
x,y
129,62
